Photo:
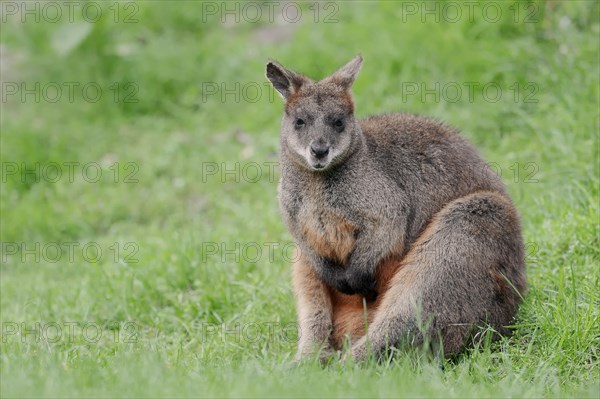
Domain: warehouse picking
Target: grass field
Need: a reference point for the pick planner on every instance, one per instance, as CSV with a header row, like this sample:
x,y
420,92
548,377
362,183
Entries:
x,y
142,249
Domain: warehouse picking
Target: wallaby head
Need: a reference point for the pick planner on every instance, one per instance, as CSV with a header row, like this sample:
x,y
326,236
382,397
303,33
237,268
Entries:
x,y
318,130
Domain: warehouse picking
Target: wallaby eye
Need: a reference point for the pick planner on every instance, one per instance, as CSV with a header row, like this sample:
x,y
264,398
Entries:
x,y
300,122
338,125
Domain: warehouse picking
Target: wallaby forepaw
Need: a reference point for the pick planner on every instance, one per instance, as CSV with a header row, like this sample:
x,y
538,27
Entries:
x,y
324,355
358,352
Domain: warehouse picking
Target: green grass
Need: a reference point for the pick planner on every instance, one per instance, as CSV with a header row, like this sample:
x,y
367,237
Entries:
x,y
174,316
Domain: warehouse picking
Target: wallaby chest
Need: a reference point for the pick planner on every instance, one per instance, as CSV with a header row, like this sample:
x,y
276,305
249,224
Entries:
x,y
328,231
327,215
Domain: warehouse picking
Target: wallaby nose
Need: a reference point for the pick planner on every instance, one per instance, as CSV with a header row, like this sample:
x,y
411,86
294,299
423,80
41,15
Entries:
x,y
319,150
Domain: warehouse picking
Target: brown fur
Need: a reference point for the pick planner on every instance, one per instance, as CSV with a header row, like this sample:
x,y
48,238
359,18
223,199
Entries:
x,y
349,310
331,236
349,317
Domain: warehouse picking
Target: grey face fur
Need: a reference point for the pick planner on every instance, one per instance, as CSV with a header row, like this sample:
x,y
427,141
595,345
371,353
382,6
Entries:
x,y
318,126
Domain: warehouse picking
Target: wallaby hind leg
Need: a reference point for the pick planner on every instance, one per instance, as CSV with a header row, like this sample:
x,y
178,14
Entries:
x,y
466,269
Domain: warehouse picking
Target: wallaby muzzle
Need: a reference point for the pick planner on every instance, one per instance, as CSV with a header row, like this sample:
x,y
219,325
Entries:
x,y
319,150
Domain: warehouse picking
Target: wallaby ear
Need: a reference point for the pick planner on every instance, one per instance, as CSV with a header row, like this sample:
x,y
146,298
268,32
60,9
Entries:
x,y
346,75
286,82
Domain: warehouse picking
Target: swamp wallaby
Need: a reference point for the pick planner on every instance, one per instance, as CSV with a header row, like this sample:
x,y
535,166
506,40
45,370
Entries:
x,y
397,209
